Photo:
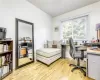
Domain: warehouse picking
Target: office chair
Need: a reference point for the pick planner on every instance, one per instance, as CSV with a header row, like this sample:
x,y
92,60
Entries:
x,y
76,55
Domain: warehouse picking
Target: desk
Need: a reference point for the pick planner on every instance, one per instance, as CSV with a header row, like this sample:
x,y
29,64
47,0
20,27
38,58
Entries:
x,y
93,44
93,63
95,51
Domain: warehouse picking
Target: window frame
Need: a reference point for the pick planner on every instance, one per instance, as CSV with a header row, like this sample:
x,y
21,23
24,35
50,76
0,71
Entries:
x,y
86,28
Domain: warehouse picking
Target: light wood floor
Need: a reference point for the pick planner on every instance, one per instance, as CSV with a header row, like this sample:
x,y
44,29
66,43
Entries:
x,y
23,61
59,70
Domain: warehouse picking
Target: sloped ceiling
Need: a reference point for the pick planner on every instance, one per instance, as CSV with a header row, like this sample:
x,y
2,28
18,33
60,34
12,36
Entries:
x,y
58,7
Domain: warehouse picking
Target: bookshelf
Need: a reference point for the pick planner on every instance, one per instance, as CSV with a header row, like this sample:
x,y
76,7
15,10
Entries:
x,y
6,58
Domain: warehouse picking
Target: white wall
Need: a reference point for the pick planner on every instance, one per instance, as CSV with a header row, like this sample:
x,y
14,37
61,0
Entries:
x,y
11,9
92,10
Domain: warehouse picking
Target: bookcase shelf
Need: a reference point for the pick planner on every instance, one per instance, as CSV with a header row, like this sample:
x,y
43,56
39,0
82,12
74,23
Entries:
x,y
6,58
6,52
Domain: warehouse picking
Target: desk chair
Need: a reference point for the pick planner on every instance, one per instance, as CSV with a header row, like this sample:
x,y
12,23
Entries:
x,y
78,55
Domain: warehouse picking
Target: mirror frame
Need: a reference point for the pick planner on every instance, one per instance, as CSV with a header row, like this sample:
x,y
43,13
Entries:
x,y
16,42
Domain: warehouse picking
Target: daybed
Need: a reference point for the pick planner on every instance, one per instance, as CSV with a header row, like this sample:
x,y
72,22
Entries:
x,y
48,55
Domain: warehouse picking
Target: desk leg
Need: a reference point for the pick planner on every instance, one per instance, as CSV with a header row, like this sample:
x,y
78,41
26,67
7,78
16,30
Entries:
x,y
82,53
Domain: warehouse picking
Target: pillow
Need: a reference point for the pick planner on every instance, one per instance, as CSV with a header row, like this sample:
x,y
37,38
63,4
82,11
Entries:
x,y
58,43
45,46
55,42
49,43
54,46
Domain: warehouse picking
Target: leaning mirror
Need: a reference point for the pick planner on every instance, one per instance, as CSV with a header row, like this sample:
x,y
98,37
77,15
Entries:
x,y
24,43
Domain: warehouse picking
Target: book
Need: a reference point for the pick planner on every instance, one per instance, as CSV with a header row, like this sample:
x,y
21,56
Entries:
x,y
5,47
1,48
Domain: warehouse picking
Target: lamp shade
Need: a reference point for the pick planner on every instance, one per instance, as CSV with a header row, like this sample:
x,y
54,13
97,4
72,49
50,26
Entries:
x,y
97,26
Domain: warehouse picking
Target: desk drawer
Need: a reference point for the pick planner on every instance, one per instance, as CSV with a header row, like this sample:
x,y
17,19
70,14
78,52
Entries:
x,y
94,66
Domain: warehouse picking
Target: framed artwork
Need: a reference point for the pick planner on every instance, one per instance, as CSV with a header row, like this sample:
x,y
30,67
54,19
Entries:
x,y
56,29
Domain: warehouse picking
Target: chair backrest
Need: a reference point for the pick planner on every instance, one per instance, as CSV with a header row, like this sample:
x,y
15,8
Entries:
x,y
72,47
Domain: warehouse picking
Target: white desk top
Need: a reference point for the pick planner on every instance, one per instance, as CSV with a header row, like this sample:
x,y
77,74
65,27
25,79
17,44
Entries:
x,y
95,51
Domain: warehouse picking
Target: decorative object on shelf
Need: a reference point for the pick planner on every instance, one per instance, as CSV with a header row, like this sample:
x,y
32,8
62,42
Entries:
x,y
7,39
23,38
20,39
23,51
97,26
30,40
2,33
27,38
98,30
5,47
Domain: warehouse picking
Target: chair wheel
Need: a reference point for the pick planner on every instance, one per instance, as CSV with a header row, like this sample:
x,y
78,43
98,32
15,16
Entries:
x,y
84,74
72,70
69,64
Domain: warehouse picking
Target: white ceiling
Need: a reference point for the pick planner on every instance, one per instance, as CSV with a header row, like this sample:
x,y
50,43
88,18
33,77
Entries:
x,y
58,7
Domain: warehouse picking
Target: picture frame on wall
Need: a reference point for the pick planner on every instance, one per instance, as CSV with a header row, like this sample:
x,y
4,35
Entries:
x,y
56,29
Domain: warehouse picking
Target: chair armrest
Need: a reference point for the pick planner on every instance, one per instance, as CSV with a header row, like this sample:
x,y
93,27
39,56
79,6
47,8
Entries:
x,y
77,47
82,49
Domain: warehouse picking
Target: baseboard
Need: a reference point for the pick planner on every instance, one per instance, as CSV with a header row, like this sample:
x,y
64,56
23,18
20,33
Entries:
x,y
68,58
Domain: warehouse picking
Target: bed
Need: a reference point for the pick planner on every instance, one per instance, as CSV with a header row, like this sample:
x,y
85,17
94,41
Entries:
x,y
48,55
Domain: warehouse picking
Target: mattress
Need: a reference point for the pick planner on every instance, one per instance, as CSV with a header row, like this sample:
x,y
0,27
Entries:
x,y
48,52
49,60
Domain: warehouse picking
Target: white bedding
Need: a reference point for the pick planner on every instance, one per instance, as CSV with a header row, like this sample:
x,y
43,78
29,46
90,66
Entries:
x,y
48,55
49,60
48,52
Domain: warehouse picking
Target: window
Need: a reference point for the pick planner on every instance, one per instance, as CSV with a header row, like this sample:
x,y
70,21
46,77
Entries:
x,y
75,28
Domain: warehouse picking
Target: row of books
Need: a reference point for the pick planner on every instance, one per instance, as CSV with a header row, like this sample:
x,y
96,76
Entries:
x,y
4,66
4,48
4,70
2,60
